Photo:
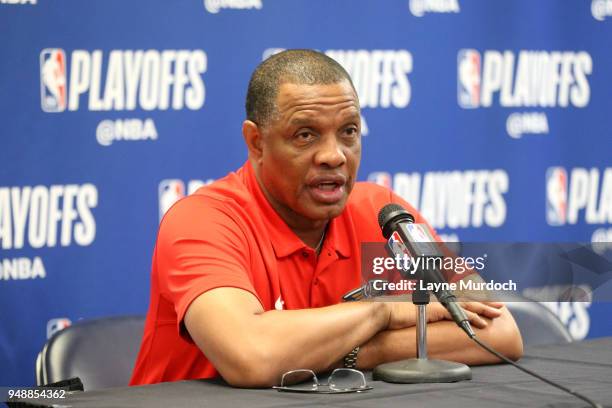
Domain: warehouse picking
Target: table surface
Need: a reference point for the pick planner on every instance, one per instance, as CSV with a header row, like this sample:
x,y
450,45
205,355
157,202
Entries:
x,y
585,367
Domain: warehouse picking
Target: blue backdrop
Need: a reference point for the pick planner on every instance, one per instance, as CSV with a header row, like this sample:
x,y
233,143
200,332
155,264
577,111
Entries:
x,y
493,118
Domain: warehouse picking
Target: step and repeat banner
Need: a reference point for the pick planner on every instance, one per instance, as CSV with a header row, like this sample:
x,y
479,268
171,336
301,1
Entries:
x,y
491,117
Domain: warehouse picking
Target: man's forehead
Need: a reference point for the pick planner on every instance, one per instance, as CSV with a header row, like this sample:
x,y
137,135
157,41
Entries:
x,y
334,94
288,86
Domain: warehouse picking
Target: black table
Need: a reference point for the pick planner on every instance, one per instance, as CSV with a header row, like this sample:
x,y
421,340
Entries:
x,y
584,366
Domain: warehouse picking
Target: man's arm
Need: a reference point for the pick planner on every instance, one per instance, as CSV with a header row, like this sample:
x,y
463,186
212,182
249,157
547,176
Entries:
x,y
253,348
446,341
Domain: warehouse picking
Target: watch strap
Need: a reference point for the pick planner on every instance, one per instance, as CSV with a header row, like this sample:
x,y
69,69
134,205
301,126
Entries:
x,y
350,360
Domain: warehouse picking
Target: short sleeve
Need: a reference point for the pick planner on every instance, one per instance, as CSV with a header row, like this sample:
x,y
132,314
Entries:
x,y
200,246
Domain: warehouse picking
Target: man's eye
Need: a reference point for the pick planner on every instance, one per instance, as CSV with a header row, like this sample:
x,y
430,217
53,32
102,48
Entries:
x,y
351,132
304,137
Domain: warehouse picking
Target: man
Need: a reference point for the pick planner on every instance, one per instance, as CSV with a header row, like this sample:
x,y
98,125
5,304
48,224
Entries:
x,y
248,272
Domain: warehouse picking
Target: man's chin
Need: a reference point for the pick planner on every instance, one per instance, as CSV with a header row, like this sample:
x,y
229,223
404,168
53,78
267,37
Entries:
x,y
326,212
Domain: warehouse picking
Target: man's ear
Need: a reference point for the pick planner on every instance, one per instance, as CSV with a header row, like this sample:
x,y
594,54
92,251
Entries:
x,y
253,139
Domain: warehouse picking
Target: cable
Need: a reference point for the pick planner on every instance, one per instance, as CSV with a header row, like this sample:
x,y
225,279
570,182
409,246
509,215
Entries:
x,y
507,360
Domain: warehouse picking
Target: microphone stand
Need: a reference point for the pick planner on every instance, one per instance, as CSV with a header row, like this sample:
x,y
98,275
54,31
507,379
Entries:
x,y
421,369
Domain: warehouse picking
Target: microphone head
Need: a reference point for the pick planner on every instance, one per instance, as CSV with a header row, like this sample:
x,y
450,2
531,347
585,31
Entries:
x,y
392,211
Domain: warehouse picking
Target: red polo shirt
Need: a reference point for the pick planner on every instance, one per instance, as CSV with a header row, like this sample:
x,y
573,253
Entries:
x,y
228,235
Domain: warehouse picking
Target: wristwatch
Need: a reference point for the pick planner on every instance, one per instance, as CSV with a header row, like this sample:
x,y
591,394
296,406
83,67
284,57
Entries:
x,y
350,360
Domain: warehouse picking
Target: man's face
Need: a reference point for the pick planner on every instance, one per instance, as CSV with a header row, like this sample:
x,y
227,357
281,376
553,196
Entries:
x,y
311,152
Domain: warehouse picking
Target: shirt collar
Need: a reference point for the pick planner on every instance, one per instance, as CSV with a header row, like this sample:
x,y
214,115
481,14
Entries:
x,y
284,241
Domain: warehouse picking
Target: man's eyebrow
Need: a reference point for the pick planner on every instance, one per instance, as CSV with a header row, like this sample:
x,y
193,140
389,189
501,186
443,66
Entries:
x,y
301,121
352,116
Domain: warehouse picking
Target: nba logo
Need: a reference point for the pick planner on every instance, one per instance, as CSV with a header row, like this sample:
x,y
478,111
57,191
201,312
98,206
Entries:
x,y
556,196
381,178
55,325
53,80
468,78
395,240
396,243
170,191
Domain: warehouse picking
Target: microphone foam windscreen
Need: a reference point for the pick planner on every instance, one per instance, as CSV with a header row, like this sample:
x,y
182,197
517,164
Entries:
x,y
383,214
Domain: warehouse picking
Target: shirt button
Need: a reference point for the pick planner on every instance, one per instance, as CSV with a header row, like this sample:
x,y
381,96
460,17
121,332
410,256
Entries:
x,y
305,254
329,254
316,281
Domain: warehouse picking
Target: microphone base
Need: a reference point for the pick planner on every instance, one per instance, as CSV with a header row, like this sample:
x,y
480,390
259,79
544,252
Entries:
x,y
418,371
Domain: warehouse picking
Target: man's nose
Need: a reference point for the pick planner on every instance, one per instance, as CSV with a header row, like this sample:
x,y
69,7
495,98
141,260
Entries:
x,y
330,152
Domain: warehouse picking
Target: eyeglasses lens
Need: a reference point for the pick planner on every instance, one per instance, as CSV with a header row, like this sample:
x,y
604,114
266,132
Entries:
x,y
300,380
345,379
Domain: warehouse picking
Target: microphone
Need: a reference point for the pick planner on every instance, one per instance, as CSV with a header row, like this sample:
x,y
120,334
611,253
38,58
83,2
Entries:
x,y
407,238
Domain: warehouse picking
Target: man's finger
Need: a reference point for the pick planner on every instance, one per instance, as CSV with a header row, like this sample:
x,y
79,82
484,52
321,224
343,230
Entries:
x,y
476,320
497,305
482,309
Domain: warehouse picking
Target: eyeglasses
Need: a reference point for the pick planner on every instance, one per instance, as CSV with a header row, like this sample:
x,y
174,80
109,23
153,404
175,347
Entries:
x,y
341,380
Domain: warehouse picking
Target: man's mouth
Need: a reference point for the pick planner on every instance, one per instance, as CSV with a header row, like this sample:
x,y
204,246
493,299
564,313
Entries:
x,y
328,190
329,186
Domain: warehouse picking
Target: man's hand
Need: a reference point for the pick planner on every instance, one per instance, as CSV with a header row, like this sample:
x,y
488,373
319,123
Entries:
x,y
491,320
403,314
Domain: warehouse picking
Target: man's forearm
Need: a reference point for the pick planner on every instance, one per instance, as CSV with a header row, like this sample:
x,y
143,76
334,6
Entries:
x,y
323,335
445,341
264,345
